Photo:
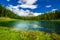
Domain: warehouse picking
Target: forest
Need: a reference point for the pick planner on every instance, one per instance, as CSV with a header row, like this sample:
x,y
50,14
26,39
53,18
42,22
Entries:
x,y
54,15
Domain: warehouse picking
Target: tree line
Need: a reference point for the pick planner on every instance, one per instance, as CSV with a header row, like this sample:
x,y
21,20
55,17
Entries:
x,y
7,13
54,15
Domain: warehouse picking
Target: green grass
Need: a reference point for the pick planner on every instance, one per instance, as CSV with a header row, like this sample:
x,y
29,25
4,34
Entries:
x,y
4,19
9,19
10,34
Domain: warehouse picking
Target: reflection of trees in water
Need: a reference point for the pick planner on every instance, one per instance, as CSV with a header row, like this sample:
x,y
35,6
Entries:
x,y
55,26
7,24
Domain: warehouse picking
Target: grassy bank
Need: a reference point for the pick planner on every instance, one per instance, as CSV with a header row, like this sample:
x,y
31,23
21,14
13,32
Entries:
x,y
10,19
4,19
10,34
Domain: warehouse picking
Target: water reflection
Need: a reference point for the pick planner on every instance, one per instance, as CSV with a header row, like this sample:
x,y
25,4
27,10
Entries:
x,y
33,25
26,25
54,26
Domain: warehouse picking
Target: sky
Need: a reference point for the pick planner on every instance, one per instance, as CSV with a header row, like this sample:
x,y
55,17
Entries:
x,y
23,7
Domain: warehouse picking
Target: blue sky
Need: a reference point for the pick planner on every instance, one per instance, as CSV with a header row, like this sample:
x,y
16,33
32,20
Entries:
x,y
33,6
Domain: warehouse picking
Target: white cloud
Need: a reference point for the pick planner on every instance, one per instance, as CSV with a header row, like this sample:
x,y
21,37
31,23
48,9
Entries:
x,y
28,6
26,12
36,14
24,4
11,7
8,0
21,12
54,9
30,2
48,6
16,10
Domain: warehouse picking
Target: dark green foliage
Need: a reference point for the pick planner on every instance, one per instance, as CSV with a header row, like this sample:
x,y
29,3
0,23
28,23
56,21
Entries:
x,y
46,16
7,13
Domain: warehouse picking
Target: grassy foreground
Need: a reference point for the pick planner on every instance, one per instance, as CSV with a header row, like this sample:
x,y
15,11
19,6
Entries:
x,y
10,34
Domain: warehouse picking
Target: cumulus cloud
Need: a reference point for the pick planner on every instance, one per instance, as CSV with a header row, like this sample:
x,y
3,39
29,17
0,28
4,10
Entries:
x,y
16,10
48,6
21,12
22,4
30,2
27,4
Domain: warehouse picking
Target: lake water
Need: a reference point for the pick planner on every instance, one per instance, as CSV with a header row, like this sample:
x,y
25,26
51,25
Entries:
x,y
33,25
